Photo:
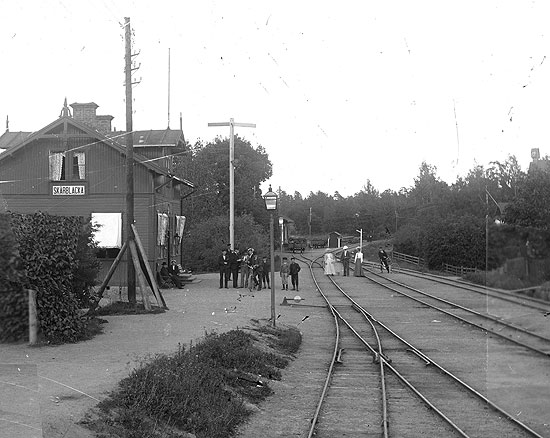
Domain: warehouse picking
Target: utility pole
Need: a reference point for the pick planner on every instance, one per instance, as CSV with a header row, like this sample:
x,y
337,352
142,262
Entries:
x,y
309,224
131,272
231,125
169,88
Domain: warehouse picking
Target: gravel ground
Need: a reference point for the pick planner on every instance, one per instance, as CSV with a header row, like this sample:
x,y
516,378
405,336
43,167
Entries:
x,y
45,391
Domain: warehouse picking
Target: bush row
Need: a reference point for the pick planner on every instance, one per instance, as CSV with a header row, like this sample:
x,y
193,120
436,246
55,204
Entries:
x,y
461,241
45,253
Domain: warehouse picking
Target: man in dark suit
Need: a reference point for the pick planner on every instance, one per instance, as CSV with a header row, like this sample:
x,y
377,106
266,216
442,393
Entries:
x,y
174,274
345,260
234,262
223,265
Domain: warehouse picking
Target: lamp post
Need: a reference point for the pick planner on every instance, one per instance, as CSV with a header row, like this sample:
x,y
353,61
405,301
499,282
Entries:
x,y
270,199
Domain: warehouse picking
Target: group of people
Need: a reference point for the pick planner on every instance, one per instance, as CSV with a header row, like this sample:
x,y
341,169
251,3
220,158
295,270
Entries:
x,y
171,273
345,258
255,270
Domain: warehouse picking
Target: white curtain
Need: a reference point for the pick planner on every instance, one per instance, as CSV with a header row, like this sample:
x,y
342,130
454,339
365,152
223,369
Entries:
x,y
81,157
162,226
56,164
109,234
180,225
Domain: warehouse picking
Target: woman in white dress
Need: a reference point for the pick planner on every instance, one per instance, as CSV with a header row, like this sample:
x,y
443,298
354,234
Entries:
x,y
358,272
329,263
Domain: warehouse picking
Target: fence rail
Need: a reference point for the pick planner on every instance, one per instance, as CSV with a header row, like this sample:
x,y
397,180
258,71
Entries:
x,y
457,270
419,261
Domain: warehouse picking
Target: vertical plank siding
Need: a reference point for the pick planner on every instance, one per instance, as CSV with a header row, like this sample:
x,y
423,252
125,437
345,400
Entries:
x,y
30,189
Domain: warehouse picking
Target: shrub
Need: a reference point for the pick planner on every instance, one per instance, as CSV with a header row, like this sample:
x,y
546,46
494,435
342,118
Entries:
x,y
48,246
13,298
87,266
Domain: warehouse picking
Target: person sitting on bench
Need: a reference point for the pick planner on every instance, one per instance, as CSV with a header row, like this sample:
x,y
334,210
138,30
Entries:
x,y
167,278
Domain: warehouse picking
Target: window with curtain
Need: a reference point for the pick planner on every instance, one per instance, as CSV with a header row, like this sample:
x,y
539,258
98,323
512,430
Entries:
x,y
79,165
57,166
162,228
180,225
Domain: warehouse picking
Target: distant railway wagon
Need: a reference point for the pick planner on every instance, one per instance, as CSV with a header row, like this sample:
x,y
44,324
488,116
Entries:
x,y
296,244
318,243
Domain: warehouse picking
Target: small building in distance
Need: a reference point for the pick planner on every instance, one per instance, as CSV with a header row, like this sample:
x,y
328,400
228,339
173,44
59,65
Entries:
x,y
76,166
334,239
537,163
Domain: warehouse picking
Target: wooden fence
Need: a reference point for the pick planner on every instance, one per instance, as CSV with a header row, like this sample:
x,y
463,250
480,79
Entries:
x,y
419,261
457,270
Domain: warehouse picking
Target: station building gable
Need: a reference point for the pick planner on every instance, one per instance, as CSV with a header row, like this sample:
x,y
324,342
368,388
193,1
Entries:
x,y
69,167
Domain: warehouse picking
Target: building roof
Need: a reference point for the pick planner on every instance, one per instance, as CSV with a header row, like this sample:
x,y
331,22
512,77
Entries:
x,y
9,139
152,137
114,143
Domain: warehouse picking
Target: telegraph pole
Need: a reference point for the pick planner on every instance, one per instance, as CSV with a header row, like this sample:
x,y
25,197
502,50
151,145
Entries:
x,y
131,272
309,224
231,125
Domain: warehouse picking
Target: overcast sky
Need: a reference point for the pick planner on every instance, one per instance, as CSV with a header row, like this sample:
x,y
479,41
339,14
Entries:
x,y
341,92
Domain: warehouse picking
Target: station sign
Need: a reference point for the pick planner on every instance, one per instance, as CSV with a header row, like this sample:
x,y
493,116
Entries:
x,y
71,190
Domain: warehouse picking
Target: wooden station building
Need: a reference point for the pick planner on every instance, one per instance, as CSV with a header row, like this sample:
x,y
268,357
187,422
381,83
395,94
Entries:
x,y
76,166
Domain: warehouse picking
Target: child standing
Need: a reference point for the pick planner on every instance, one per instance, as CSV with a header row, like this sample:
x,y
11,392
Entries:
x,y
253,268
294,268
266,271
285,269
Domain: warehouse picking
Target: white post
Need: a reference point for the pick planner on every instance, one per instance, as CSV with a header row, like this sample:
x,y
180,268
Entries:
x,y
282,225
231,185
231,125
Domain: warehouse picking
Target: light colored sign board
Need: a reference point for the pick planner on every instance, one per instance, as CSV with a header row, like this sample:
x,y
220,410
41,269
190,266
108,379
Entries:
x,y
68,190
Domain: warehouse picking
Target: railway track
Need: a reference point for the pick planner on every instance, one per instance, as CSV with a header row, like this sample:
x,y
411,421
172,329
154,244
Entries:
x,y
488,292
475,312
381,384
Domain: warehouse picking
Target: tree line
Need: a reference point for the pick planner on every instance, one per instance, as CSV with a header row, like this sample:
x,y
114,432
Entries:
x,y
444,223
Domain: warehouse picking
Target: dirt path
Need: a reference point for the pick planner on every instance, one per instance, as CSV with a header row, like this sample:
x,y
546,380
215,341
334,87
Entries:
x,y
45,391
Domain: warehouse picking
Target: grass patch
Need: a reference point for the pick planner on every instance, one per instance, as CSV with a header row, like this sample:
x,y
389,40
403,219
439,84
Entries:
x,y
285,341
207,390
498,280
94,326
